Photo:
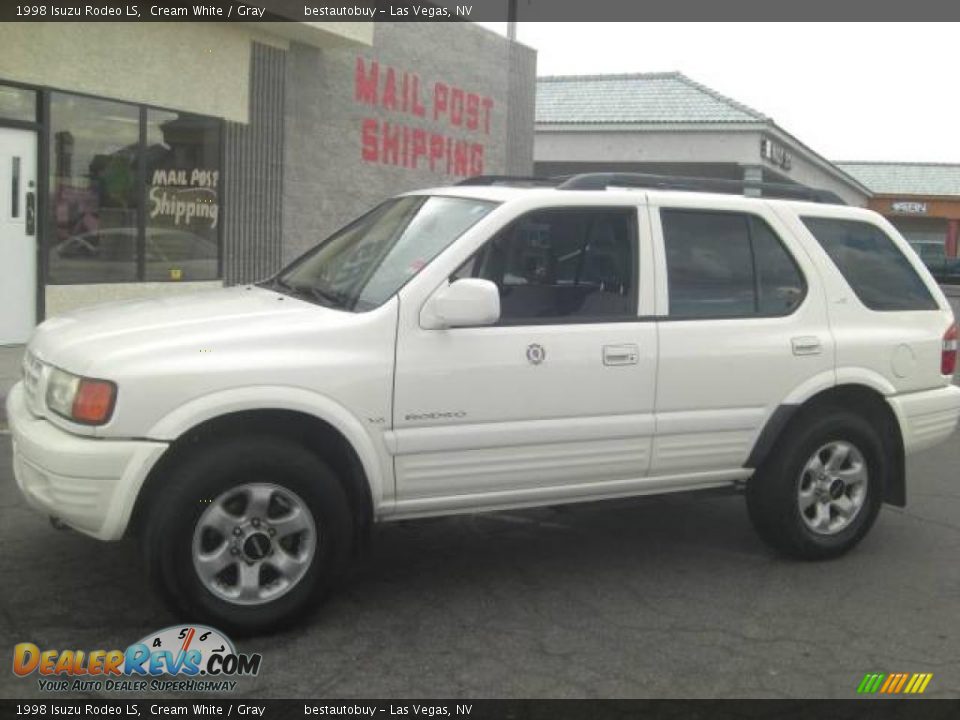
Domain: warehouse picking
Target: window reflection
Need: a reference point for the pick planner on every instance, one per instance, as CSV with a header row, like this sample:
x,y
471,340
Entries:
x,y
97,193
183,208
94,145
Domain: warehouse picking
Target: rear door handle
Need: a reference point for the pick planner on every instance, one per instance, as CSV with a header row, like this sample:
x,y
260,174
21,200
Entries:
x,y
621,354
806,345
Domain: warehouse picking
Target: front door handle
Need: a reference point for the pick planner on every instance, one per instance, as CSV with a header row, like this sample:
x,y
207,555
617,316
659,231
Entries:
x,y
621,354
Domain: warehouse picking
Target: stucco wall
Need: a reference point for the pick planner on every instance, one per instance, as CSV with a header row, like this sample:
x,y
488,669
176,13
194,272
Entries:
x,y
199,67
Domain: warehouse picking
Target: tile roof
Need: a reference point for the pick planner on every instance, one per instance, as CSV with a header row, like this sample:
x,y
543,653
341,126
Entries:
x,y
636,98
892,178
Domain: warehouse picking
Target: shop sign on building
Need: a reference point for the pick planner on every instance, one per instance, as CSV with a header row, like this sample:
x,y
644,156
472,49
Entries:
x,y
909,207
775,153
437,126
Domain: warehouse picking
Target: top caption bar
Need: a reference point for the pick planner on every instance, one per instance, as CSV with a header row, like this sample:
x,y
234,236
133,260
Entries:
x,y
478,10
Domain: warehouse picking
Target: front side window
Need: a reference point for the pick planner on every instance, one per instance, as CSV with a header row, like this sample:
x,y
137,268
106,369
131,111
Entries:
x,y
365,263
727,264
871,263
563,265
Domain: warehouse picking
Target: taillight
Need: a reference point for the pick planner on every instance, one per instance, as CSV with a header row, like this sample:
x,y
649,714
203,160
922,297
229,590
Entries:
x,y
948,358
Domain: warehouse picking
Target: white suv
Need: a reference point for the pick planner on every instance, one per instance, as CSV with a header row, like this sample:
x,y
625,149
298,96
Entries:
x,y
481,347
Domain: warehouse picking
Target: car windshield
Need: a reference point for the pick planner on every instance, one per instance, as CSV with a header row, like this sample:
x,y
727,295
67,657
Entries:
x,y
359,267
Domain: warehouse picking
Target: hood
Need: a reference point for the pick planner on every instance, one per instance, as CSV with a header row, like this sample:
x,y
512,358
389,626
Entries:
x,y
85,339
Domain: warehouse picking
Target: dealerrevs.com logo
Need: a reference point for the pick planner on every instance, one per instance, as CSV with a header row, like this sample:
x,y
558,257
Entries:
x,y
191,658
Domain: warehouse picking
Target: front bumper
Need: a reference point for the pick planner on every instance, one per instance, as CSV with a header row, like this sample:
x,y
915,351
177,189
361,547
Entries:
x,y
927,418
90,484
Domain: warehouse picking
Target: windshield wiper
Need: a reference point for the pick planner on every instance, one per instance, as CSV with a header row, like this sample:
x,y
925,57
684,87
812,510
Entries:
x,y
327,297
324,297
275,283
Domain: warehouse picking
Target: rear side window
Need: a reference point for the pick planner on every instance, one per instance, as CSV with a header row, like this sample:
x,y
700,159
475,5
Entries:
x,y
727,264
872,264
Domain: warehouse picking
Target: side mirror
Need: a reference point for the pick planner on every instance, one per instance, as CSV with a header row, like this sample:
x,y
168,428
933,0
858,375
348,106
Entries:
x,y
470,302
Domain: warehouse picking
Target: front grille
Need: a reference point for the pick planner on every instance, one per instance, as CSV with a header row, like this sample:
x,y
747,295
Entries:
x,y
32,373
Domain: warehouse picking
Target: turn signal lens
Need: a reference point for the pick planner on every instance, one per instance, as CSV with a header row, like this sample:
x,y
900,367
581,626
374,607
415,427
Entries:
x,y
80,399
948,358
94,401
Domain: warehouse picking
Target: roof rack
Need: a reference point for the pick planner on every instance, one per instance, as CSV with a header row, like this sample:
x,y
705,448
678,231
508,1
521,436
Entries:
x,y
522,180
603,180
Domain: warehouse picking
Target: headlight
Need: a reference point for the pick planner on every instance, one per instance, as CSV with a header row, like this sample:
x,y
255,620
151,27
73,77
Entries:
x,y
79,399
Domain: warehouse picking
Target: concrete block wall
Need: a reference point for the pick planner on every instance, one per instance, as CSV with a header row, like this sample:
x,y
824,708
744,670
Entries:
x,y
327,182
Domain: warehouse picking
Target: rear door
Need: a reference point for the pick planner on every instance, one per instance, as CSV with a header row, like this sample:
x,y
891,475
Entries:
x,y
743,326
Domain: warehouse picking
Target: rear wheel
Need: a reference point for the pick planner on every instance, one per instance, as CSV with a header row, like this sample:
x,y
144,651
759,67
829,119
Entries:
x,y
820,490
247,533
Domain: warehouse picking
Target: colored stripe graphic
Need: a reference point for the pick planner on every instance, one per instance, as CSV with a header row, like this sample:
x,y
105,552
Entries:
x,y
894,683
870,683
876,683
903,679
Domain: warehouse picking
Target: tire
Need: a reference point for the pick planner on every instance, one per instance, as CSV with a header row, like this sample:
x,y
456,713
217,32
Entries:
x,y
787,495
271,513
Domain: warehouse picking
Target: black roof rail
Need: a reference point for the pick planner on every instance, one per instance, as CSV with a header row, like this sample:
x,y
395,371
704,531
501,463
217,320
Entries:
x,y
522,180
603,180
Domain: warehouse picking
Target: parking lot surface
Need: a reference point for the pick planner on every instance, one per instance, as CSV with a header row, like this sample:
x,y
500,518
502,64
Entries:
x,y
671,596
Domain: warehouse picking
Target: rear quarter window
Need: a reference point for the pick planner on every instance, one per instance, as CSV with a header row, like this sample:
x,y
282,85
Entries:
x,y
872,264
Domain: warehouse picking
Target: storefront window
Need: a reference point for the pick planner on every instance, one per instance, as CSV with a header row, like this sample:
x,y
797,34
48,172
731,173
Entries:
x,y
18,104
93,193
183,202
101,176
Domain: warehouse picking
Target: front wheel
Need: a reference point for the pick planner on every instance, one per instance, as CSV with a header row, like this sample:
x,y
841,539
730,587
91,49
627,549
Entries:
x,y
819,492
247,533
